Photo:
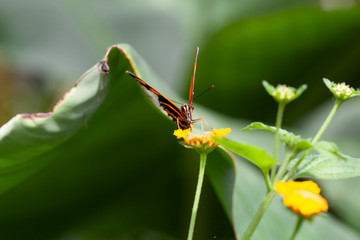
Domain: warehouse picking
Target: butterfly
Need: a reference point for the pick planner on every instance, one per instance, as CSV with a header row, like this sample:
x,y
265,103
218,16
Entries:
x,y
182,116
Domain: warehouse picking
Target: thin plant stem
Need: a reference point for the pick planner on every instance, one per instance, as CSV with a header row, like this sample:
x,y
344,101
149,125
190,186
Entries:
x,y
299,222
203,157
284,166
267,180
316,138
327,121
258,215
279,117
292,170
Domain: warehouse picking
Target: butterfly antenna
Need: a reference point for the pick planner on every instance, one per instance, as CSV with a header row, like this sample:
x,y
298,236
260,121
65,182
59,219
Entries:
x,y
191,94
205,91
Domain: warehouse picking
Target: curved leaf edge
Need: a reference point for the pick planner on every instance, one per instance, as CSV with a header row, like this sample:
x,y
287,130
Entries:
x,y
26,136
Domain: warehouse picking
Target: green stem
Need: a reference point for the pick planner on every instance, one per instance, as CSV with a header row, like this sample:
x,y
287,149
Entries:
x,y
297,227
327,121
258,215
279,117
197,195
284,166
267,180
292,170
316,138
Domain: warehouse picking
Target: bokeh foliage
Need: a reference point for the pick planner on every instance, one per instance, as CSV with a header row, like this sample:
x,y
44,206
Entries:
x,y
124,175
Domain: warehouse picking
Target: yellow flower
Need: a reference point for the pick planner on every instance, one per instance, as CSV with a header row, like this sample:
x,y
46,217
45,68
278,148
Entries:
x,y
202,142
302,197
181,133
221,132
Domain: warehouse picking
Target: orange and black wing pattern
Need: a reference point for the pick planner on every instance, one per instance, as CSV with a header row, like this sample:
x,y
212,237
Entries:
x,y
173,111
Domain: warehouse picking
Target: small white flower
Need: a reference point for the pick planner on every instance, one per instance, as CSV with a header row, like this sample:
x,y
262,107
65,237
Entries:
x,y
283,93
341,91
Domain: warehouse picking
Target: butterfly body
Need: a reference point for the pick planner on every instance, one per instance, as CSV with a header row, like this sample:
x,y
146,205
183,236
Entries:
x,y
187,110
182,116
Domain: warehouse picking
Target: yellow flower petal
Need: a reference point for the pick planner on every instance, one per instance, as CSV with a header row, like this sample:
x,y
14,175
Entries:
x,y
179,133
284,188
306,203
221,132
302,197
202,142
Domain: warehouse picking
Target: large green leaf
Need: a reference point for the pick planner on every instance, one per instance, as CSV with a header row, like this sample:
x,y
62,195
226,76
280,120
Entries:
x,y
222,176
326,167
103,176
27,136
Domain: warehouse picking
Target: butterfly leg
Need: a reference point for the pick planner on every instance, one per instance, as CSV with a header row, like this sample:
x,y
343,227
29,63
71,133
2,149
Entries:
x,y
178,123
202,120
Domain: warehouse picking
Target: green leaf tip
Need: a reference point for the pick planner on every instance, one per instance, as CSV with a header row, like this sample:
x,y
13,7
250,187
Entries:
x,y
292,142
254,154
268,87
329,149
325,167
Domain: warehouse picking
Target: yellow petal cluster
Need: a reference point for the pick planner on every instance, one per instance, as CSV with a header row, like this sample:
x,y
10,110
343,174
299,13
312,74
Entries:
x,y
204,141
182,133
221,132
302,197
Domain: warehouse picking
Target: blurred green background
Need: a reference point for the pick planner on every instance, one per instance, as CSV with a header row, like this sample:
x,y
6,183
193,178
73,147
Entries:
x,y
118,192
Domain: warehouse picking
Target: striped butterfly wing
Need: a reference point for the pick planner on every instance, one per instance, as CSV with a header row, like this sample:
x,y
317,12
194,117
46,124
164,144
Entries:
x,y
173,111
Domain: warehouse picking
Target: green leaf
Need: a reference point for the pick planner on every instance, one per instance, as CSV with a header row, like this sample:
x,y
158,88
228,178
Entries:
x,y
108,177
254,154
80,153
259,125
268,87
27,136
220,169
292,142
328,84
325,167
329,149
